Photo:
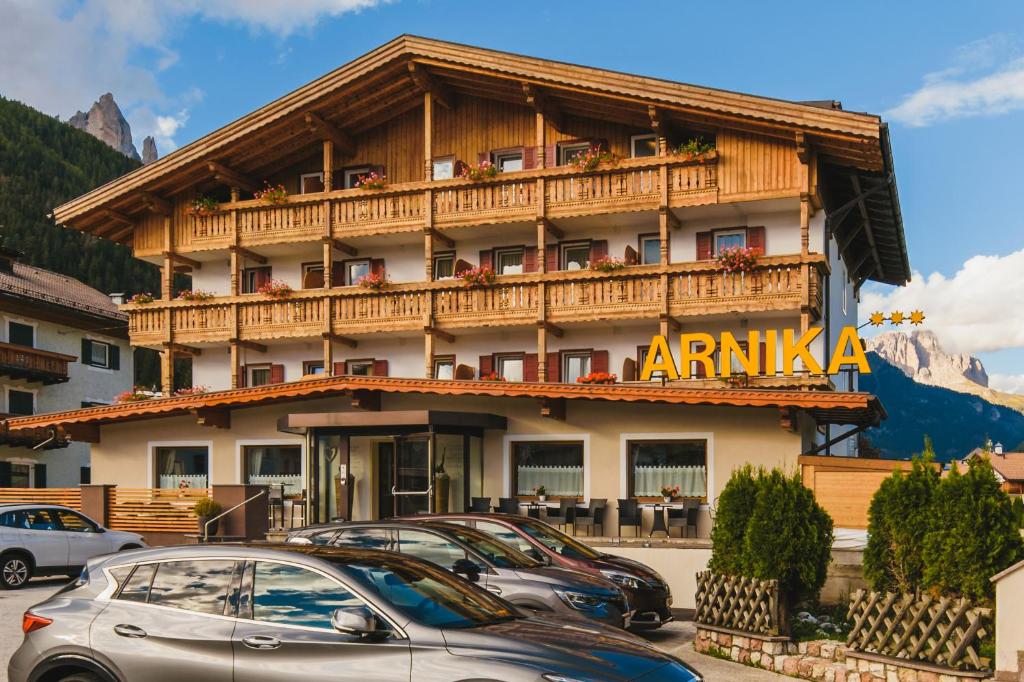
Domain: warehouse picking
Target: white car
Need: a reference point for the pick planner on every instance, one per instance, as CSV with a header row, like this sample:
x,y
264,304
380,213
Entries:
x,y
47,539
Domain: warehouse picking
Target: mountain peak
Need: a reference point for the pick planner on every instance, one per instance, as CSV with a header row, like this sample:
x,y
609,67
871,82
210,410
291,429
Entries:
x,y
105,122
920,356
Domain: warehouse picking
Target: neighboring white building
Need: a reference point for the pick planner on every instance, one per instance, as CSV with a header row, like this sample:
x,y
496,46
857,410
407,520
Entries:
x,y
63,346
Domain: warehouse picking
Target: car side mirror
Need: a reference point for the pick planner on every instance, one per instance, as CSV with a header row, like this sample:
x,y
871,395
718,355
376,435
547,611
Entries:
x,y
358,621
467,568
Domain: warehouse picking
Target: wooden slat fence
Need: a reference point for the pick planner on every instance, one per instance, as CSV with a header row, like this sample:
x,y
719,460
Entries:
x,y
939,630
154,510
69,497
739,603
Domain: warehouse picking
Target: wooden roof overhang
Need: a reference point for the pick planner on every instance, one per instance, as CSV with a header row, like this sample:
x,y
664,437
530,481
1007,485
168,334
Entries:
x,y
380,85
214,408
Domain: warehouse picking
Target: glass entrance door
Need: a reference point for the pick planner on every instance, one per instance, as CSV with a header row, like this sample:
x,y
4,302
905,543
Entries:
x,y
413,473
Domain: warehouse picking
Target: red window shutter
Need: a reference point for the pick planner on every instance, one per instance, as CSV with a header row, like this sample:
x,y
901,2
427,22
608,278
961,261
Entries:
x,y
530,367
551,258
700,371
338,274
263,276
339,369
486,364
755,238
550,155
243,375
529,157
377,266
703,246
599,361
530,259
277,374
483,156
380,368
630,256
487,259
762,357
554,364
598,249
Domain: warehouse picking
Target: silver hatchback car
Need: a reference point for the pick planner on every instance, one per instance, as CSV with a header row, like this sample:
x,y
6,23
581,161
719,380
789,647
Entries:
x,y
211,613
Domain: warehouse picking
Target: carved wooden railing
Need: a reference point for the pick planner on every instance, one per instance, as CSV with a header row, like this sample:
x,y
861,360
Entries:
x,y
939,630
739,603
33,364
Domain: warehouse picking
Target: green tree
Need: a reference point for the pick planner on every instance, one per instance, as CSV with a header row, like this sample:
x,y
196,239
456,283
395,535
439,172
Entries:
x,y
735,507
973,534
899,518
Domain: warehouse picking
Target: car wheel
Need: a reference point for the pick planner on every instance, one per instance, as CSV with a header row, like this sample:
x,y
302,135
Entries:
x,y
15,571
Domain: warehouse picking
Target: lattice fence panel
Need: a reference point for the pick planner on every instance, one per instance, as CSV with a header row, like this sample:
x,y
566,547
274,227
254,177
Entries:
x,y
939,630
739,603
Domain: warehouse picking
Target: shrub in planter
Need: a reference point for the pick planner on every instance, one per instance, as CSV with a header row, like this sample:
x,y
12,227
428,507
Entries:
x,y
205,509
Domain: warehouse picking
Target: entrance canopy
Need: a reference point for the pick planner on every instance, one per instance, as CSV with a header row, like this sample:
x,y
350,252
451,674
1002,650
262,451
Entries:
x,y
300,423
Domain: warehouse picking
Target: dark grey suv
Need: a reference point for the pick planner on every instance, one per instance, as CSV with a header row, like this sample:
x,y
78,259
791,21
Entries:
x,y
262,614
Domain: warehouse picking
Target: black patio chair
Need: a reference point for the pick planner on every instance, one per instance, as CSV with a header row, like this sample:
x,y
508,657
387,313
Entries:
x,y
508,505
629,515
480,505
565,514
591,517
684,519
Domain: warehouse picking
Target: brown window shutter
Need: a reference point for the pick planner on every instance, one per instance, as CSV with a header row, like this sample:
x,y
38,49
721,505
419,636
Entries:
x,y
700,370
598,249
483,156
703,246
762,357
629,369
461,266
599,361
530,367
380,368
554,367
243,376
551,258
529,157
277,374
755,238
630,256
377,266
263,276
486,364
339,369
314,279
550,155
530,259
338,274
487,258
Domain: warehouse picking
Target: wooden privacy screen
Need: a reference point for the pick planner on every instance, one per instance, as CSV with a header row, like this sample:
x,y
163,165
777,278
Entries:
x,y
68,497
739,603
153,510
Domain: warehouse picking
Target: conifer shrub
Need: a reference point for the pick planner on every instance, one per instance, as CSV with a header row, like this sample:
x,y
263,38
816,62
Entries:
x,y
735,507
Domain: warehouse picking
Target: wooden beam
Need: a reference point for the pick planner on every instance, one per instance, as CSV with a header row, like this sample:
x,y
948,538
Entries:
x,y
424,81
553,408
223,174
672,218
441,237
338,338
554,231
866,221
803,151
83,433
661,125
117,216
217,417
441,334
341,246
542,104
364,399
551,328
178,258
180,349
672,322
121,234
246,253
156,204
250,345
326,131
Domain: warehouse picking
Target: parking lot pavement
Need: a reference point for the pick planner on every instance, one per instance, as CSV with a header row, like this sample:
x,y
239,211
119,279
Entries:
x,y
675,638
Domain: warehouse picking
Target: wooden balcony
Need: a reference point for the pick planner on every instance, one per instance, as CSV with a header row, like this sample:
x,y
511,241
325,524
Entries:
x,y
33,364
681,290
631,185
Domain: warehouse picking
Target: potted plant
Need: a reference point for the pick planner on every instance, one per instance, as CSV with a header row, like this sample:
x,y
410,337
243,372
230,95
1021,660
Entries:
x,y
203,206
272,194
478,276
589,160
142,299
597,378
276,288
607,264
668,492
374,281
372,180
491,376
695,148
195,295
136,394
205,509
485,170
738,258
541,492
191,390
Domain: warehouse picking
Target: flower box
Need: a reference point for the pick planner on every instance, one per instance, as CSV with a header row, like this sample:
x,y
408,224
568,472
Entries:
x,y
738,258
374,281
203,206
142,299
597,378
372,180
607,264
276,194
275,288
492,376
592,158
485,170
478,276
195,295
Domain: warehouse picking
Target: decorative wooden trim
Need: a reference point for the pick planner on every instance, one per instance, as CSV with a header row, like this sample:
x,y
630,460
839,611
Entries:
x,y
180,349
156,204
223,174
338,338
441,334
542,104
249,345
551,328
178,258
441,237
327,131
424,81
248,254
347,249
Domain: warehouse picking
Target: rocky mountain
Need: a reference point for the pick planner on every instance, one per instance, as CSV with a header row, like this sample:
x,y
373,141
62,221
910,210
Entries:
x,y
920,356
105,122
149,154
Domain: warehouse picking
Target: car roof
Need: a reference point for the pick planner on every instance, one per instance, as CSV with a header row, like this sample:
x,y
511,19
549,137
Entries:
x,y
511,519
257,550
15,506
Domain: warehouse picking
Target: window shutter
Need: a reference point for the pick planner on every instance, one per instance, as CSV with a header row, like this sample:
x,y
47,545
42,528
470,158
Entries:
x,y
599,361
486,364
243,376
339,369
601,143
487,259
530,367
755,238
314,279
630,256
598,249
377,266
530,259
86,358
550,155
5,474
263,276
762,357
703,246
482,157
40,475
629,369
115,356
529,157
554,367
700,370
551,258
461,266
338,273
380,368
277,374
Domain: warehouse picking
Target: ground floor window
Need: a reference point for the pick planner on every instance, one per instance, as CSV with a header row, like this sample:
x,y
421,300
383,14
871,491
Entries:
x,y
21,475
20,402
654,464
274,465
182,466
557,466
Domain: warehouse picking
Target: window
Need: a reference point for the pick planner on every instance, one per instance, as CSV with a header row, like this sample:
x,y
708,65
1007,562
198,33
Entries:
x,y
274,465
312,275
137,587
641,359
356,270
20,402
311,183
290,595
444,265
643,145
368,538
575,364
657,463
200,586
567,151
182,467
510,367
41,519
359,368
21,334
75,523
729,240
509,261
509,161
259,375
444,168
352,175
312,367
444,367
99,354
21,475
558,466
430,547
508,536
15,519
575,256
254,278
650,249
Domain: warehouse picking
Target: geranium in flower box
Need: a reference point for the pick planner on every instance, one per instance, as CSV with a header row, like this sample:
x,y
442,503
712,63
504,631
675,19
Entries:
x,y
695,149
372,180
272,194
492,376
593,157
135,395
374,281
607,264
597,378
203,205
275,288
142,299
484,170
738,258
195,295
479,276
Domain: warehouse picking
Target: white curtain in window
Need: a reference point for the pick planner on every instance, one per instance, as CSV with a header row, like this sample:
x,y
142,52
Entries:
x,y
648,480
174,481
292,483
557,480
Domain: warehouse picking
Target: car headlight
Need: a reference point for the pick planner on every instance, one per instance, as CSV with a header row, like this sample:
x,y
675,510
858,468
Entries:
x,y
626,580
579,600
555,677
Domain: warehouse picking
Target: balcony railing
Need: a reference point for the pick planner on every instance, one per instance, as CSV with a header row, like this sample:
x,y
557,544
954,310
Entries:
x,y
33,364
638,292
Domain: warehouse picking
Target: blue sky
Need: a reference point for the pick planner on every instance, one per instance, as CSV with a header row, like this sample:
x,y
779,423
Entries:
x,y
948,76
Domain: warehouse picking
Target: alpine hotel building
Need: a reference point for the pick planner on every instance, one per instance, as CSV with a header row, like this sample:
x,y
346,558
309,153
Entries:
x,y
342,390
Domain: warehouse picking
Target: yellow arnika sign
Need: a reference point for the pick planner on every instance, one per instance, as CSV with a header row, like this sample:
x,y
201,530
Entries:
x,y
700,347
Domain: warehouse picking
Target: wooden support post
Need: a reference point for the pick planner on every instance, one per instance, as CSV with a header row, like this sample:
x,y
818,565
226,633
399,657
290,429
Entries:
x,y
328,172
542,352
167,371
664,318
428,134
428,256
428,354
541,246
664,213
539,139
328,265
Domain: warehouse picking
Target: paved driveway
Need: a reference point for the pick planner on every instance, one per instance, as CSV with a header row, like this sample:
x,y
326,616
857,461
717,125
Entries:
x,y
675,638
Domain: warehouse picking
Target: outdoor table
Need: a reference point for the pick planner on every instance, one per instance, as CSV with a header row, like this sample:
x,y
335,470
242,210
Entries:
x,y
533,508
658,523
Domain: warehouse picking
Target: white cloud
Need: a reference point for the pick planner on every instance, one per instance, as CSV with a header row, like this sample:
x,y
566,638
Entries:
x,y
985,78
976,310
1009,383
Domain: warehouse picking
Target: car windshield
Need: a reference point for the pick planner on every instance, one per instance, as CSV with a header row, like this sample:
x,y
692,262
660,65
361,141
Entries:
x,y
427,595
557,541
499,554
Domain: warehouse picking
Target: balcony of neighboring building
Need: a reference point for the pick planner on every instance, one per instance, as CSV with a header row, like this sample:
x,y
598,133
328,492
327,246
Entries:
x,y
33,364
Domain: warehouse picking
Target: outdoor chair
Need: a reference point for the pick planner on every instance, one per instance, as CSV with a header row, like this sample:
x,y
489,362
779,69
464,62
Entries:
x,y
684,519
508,505
480,505
591,517
298,504
565,514
629,515
275,501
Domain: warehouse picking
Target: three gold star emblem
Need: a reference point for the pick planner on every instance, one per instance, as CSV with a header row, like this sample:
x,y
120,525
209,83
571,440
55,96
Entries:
x,y
896,317
877,319
916,317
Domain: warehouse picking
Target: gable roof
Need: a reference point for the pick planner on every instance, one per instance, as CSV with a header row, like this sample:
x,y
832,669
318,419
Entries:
x,y
1009,465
